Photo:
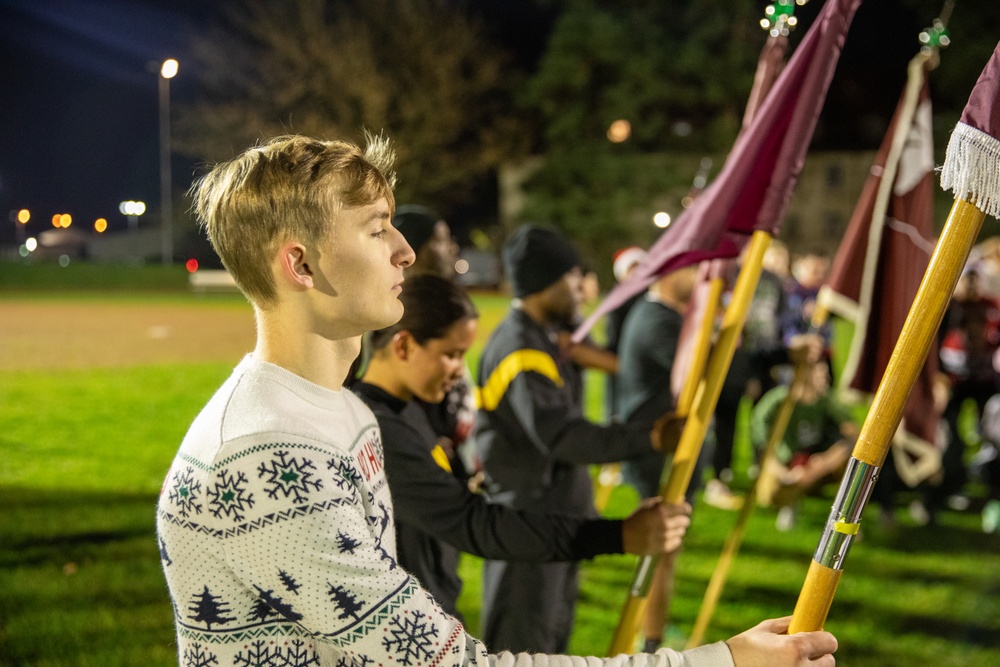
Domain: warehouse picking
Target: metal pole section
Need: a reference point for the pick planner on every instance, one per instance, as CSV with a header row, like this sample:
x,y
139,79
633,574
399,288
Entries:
x,y
166,205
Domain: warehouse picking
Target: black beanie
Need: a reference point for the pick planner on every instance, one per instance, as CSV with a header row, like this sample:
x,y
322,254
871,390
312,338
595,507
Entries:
x,y
416,224
535,257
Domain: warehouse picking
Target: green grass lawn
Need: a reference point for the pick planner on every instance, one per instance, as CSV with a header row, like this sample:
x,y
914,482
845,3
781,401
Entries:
x,y
82,459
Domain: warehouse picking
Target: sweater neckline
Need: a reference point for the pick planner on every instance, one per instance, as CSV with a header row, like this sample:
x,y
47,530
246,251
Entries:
x,y
310,391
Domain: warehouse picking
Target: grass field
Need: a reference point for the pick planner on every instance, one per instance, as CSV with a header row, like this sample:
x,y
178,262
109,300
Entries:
x,y
97,389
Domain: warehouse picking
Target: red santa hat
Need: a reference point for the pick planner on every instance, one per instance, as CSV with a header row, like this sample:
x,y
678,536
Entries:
x,y
625,259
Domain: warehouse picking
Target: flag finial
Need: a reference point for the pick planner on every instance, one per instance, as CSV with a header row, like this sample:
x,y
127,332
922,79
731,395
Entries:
x,y
779,17
935,37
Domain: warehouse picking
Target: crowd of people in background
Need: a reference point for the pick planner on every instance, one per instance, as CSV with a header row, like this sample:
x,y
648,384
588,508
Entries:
x,y
532,444
529,452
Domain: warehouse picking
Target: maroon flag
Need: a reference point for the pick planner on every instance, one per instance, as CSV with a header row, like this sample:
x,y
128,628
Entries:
x,y
880,264
769,65
752,191
972,166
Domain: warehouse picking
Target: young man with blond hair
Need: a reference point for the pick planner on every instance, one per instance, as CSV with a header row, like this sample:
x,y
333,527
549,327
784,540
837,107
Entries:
x,y
275,519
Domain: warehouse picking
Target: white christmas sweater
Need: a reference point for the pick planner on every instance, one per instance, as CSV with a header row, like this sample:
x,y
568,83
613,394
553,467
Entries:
x,y
277,541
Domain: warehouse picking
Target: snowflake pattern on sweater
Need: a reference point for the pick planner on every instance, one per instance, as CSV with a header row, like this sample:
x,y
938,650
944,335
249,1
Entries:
x,y
277,541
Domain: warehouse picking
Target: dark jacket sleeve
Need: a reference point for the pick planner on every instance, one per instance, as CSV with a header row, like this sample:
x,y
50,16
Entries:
x,y
555,425
431,499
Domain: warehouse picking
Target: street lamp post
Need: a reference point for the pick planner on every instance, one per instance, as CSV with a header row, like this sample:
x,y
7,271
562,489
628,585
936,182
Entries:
x,y
167,72
132,210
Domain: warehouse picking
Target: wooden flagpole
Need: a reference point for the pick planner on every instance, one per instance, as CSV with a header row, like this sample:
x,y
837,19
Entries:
x,y
695,429
716,584
921,325
936,289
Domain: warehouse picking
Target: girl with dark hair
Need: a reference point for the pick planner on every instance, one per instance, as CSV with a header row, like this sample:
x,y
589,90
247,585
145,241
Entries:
x,y
437,516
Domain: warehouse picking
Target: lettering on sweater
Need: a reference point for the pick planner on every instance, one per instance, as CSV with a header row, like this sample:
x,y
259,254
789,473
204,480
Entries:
x,y
369,458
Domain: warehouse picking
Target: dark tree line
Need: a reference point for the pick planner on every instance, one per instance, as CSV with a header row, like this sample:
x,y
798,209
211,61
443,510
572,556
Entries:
x,y
469,87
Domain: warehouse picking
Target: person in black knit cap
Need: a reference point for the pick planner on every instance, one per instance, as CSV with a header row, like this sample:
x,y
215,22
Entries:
x,y
534,441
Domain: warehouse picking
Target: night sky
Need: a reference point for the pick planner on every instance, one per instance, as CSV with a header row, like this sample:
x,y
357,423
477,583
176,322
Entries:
x,y
78,100
78,108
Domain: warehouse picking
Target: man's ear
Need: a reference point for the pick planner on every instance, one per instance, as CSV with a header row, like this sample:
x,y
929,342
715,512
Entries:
x,y
295,269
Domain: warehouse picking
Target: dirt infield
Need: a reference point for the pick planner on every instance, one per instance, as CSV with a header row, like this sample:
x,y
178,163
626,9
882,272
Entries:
x,y
66,335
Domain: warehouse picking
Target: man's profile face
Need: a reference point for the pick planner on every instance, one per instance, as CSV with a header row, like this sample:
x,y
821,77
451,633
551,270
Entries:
x,y
360,270
563,298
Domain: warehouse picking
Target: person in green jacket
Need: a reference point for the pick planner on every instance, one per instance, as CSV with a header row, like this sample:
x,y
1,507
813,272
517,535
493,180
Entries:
x,y
816,445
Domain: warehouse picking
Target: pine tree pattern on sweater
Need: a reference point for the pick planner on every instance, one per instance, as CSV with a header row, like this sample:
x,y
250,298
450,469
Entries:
x,y
276,538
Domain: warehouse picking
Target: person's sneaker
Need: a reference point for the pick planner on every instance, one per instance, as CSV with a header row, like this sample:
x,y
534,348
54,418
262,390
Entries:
x,y
650,645
991,517
717,494
919,513
958,502
786,519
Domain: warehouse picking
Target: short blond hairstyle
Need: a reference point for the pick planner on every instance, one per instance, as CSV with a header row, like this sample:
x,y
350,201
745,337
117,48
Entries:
x,y
287,188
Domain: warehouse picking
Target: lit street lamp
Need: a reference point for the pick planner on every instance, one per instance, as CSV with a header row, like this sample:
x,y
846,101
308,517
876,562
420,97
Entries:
x,y
132,210
167,71
20,219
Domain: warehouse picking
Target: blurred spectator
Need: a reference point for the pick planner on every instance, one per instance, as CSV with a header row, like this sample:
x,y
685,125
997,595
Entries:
x,y
625,261
988,463
430,237
750,374
777,260
451,419
816,445
970,338
648,347
809,273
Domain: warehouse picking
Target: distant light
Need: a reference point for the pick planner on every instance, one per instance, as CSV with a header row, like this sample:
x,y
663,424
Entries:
x,y
682,128
23,250
132,207
23,216
662,219
100,225
31,244
687,201
619,131
191,265
64,261
169,69
461,267
65,220
57,220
